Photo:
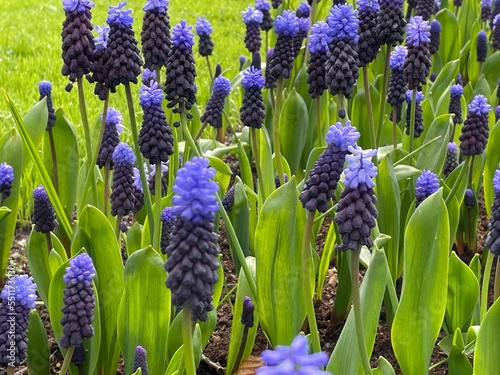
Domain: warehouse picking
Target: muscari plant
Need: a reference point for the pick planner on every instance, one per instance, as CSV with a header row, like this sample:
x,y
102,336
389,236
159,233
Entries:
x,y
156,306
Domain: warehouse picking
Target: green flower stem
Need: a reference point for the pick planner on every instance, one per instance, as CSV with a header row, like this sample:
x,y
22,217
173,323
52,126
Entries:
x,y
412,121
140,162
174,163
55,174
276,129
86,131
255,151
407,156
314,11
461,175
67,360
485,284
117,229
320,141
371,122
394,127
358,319
80,370
198,135
340,107
187,340
496,290
158,186
95,154
210,70
229,226
307,293
107,168
383,94
241,349
266,45
471,169
48,238
158,77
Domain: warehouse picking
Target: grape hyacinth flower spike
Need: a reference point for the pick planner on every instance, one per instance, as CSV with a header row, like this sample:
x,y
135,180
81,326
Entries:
x,y
267,19
286,27
148,77
124,64
481,47
167,226
6,179
343,62
419,119
110,138
293,359
152,178
270,81
485,10
215,105
494,11
192,252
325,175
101,55
44,217
497,113
140,361
426,185
252,18
368,41
228,200
303,10
396,94
179,87
391,23
455,106
45,90
18,298
252,111
122,190
417,63
425,8
79,303
356,212
155,137
435,37
304,24
451,161
155,34
276,3
77,40
316,69
204,32
493,238
469,198
138,192
475,130
495,34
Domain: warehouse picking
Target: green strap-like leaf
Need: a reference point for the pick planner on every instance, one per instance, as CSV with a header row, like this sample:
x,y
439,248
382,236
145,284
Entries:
x,y
38,361
144,313
423,298
488,342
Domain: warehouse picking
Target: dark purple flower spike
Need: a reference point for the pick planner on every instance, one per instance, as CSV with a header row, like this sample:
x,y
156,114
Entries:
x,y
391,23
44,217
252,111
475,130
426,185
6,179
419,119
215,105
122,191
316,69
204,32
451,161
493,239
417,63
368,40
396,94
281,63
455,106
155,34
267,20
252,19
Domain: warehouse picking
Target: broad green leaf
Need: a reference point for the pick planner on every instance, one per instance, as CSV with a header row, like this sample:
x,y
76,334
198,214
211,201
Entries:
x,y
490,68
4,212
144,312
458,363
134,235
106,255
266,161
449,32
345,358
468,14
278,247
389,202
38,262
294,128
342,303
237,328
222,172
384,367
423,298
432,158
92,345
463,294
38,361
482,87
487,343
445,76
491,165
13,152
66,149
32,151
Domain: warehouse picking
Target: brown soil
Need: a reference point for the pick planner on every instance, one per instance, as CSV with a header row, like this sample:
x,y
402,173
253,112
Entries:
x,y
214,356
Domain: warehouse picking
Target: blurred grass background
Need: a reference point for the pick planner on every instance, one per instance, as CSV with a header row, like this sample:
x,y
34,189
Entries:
x,y
30,51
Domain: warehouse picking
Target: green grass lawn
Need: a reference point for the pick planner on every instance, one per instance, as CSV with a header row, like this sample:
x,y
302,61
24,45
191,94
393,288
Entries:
x,y
30,50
